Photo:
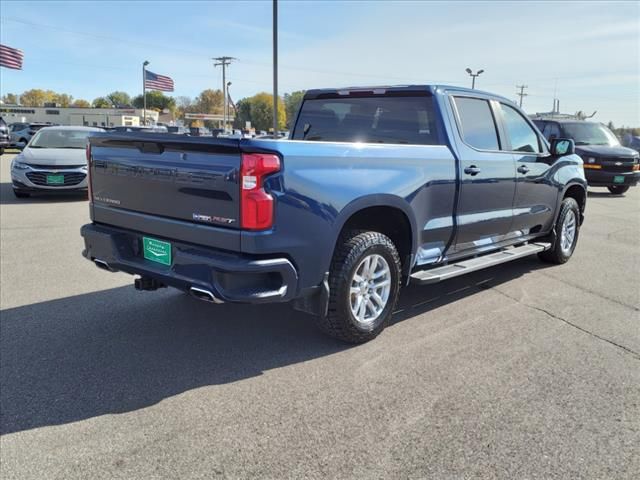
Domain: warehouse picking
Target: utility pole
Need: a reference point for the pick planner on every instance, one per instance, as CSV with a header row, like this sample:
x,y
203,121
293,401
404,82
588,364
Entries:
x,y
228,99
275,68
224,62
473,76
522,94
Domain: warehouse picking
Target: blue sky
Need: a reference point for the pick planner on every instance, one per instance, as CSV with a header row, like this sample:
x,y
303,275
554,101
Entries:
x,y
587,52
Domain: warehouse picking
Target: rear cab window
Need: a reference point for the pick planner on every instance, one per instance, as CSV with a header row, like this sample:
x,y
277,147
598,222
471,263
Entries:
x,y
374,119
477,125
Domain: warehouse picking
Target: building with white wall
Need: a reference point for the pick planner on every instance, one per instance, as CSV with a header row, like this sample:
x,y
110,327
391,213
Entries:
x,y
91,117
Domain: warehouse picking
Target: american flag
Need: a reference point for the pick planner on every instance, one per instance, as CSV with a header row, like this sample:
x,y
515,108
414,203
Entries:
x,y
153,81
10,57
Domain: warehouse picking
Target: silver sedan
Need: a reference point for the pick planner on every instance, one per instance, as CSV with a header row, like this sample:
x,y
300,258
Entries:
x,y
53,161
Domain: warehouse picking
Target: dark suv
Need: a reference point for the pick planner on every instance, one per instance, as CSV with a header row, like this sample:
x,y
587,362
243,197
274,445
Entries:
x,y
606,162
4,136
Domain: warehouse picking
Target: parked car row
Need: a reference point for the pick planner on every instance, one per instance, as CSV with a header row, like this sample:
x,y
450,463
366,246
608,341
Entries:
x,y
607,163
5,141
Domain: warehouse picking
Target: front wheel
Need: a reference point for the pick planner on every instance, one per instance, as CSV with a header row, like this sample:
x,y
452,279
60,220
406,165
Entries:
x,y
364,283
566,233
618,189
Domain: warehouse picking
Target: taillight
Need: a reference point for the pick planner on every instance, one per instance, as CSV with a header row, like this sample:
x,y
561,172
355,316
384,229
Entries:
x,y
256,205
88,153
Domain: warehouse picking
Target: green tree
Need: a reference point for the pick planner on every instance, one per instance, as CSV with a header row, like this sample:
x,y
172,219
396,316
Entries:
x,y
243,113
292,103
259,111
156,100
80,103
119,98
101,102
610,126
10,99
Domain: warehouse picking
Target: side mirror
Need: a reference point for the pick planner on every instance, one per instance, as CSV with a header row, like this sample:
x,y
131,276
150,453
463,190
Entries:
x,y
562,146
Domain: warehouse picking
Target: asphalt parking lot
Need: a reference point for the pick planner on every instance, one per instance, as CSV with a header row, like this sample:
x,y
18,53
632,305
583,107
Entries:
x,y
520,371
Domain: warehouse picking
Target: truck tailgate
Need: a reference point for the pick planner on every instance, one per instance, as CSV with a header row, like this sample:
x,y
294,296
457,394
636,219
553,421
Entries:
x,y
189,179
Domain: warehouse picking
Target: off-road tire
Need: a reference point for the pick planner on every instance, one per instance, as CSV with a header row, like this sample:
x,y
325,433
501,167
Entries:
x,y
351,249
555,254
618,189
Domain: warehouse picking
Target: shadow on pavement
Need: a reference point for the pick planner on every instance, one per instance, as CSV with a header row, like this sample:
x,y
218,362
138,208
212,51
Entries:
x,y
7,197
603,194
120,350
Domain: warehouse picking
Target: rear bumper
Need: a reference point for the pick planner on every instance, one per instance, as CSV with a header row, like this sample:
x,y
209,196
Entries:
x,y
230,277
600,178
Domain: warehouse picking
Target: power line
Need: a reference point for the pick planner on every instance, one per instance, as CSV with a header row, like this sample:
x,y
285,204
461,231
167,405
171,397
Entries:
x,y
521,94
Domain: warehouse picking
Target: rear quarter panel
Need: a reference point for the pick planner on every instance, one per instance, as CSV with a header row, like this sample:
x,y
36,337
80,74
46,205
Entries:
x,y
323,184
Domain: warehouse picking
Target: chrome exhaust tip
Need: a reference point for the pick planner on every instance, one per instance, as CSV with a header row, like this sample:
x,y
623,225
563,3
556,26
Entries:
x,y
101,264
204,295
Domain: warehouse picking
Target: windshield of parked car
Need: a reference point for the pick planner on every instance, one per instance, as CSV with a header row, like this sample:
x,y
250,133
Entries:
x,y
585,133
375,119
60,139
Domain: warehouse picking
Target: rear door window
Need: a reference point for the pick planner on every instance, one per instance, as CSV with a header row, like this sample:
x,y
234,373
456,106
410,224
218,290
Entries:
x,y
522,136
477,125
375,119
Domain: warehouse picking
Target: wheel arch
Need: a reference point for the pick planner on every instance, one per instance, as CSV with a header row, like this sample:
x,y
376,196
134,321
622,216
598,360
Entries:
x,y
386,213
577,191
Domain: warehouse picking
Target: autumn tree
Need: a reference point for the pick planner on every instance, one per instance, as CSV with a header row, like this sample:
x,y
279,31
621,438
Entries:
x,y
62,99
34,98
80,103
209,101
292,102
259,111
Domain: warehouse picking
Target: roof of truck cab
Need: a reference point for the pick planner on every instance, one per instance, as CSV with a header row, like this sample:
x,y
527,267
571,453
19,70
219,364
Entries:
x,y
315,93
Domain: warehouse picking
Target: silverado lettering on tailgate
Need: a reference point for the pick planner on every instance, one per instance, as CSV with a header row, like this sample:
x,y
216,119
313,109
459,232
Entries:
x,y
156,173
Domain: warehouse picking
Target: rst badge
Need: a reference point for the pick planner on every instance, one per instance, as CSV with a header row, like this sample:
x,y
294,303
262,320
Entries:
x,y
199,217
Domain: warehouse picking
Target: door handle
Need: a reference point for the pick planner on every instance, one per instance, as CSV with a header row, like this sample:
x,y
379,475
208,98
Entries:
x,y
472,170
523,169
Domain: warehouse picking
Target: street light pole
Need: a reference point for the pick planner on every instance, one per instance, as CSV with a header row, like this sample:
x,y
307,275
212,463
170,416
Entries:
x,y
473,76
144,92
275,68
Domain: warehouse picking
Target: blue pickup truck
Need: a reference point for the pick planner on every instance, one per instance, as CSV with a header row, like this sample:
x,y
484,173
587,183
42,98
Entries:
x,y
376,188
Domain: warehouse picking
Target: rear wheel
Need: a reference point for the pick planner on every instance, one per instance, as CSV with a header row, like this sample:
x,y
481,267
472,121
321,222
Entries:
x,y
20,194
618,189
364,283
566,233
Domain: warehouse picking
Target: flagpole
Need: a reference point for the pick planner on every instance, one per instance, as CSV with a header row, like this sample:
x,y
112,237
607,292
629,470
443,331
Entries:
x,y
275,68
144,92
